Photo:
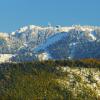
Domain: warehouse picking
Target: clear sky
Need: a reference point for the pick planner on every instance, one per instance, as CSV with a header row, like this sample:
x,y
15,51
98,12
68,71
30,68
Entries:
x,y
17,13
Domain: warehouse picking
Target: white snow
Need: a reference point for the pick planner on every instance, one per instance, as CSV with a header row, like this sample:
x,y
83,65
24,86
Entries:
x,y
5,57
23,29
13,33
52,40
40,37
3,35
90,36
43,56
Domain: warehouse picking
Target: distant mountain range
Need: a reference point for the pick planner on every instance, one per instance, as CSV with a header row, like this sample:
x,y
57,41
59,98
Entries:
x,y
43,43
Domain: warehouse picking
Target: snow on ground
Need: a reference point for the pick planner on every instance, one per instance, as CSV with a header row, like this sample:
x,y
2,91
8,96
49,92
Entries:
x,y
43,56
51,40
5,58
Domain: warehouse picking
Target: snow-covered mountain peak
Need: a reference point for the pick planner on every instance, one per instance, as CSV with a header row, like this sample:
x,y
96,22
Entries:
x,y
55,28
3,34
32,42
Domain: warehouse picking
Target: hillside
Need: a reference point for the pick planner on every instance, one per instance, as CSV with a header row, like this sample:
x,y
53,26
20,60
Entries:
x,y
50,80
52,42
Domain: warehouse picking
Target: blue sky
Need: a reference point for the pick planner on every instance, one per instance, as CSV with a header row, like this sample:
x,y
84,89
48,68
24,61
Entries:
x,y
17,13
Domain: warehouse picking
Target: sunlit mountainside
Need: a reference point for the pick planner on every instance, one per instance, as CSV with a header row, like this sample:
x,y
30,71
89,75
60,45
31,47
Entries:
x,y
50,63
31,42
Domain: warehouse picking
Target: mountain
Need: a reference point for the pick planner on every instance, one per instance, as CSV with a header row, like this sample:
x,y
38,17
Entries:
x,y
43,43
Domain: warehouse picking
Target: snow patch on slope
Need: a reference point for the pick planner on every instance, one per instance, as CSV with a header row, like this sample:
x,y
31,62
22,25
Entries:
x,y
51,40
5,57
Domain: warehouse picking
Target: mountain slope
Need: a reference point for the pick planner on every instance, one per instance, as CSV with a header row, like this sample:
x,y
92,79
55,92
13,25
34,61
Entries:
x,y
31,42
50,80
71,45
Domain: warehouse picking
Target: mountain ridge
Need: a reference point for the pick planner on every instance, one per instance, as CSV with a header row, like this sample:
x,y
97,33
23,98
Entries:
x,y
75,42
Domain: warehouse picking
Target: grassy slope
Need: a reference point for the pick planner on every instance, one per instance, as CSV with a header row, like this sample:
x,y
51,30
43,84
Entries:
x,y
48,80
